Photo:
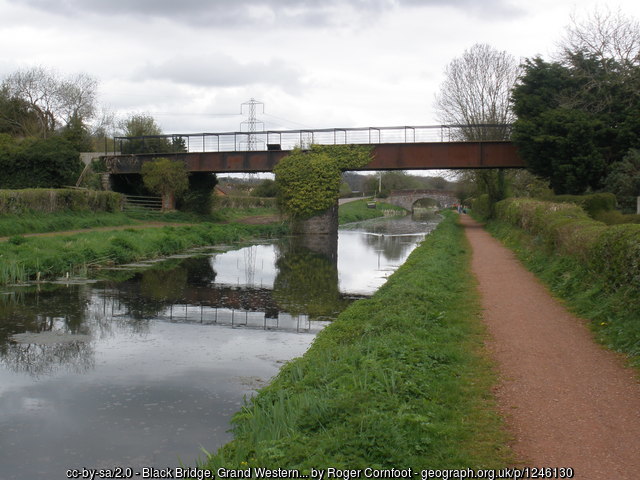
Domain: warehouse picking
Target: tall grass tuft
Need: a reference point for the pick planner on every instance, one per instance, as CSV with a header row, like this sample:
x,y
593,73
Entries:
x,y
12,272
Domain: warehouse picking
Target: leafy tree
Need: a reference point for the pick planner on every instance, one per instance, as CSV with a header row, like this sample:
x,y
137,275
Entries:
x,y
624,181
199,196
266,188
560,145
16,118
166,177
78,135
345,190
151,138
577,117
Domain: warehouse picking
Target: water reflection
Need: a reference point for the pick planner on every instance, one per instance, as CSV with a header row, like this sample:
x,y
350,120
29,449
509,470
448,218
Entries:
x,y
307,282
141,367
370,251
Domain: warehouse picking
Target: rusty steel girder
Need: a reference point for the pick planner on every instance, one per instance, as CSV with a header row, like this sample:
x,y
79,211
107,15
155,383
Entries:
x,y
389,156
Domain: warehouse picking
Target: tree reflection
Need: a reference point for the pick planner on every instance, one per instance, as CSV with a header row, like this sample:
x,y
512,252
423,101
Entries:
x,y
393,247
40,359
307,283
150,292
44,310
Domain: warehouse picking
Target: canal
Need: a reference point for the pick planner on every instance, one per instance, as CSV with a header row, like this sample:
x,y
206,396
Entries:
x,y
144,365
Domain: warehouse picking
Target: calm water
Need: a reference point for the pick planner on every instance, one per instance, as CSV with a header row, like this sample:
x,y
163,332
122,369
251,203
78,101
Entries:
x,y
146,366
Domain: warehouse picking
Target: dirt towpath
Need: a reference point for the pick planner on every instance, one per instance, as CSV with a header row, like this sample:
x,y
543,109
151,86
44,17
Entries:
x,y
567,401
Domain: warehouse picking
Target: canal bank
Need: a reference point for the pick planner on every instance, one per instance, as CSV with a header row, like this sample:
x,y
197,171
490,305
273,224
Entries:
x,y
399,380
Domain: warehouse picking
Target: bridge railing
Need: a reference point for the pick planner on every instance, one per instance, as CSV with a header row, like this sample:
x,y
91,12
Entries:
x,y
289,139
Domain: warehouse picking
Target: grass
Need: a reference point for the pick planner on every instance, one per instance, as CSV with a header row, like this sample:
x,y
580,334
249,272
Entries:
x,y
53,222
613,313
229,214
13,225
398,380
357,211
37,257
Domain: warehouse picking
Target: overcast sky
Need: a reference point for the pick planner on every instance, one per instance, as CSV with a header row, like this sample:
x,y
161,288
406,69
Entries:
x,y
314,63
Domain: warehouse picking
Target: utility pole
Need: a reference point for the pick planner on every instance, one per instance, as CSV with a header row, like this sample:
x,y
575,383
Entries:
x,y
251,124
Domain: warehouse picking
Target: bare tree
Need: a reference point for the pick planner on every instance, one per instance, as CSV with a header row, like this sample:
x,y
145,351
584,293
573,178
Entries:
x,y
476,91
54,101
603,34
38,87
77,98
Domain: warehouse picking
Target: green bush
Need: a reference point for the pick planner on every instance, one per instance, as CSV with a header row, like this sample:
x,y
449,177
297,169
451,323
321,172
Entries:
x,y
480,206
592,204
615,217
611,252
266,188
616,254
39,163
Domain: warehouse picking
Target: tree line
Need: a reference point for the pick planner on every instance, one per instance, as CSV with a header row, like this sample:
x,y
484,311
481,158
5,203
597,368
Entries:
x,y
47,119
575,117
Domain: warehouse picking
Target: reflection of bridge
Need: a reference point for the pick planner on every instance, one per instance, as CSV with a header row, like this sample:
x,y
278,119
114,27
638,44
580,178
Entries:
x,y
394,148
406,198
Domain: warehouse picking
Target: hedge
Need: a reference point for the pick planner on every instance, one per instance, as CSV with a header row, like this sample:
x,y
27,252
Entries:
x,y
564,228
54,200
592,204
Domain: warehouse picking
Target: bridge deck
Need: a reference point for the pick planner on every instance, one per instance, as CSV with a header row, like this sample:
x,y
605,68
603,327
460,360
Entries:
x,y
389,156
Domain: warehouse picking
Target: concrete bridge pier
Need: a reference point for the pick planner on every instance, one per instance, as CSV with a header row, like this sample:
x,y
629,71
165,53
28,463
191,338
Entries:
x,y
325,223
320,233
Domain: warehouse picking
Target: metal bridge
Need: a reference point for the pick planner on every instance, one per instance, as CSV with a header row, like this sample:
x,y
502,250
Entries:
x,y
394,148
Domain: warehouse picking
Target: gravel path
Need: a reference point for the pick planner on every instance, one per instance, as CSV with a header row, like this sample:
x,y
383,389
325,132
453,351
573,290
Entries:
x,y
567,401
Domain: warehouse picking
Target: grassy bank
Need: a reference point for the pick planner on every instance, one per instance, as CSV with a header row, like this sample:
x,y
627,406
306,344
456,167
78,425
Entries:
x,y
59,221
399,380
36,222
357,211
37,257
613,310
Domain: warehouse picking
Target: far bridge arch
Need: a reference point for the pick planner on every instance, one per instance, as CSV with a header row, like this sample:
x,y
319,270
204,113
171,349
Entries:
x,y
407,198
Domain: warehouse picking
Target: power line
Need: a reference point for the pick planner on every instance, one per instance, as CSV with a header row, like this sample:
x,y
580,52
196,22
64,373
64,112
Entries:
x,y
288,121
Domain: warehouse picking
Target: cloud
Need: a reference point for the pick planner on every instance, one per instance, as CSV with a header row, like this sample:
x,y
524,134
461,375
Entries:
x,y
265,13
219,70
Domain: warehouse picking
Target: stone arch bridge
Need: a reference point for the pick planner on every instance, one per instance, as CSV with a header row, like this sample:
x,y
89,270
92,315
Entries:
x,y
407,198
